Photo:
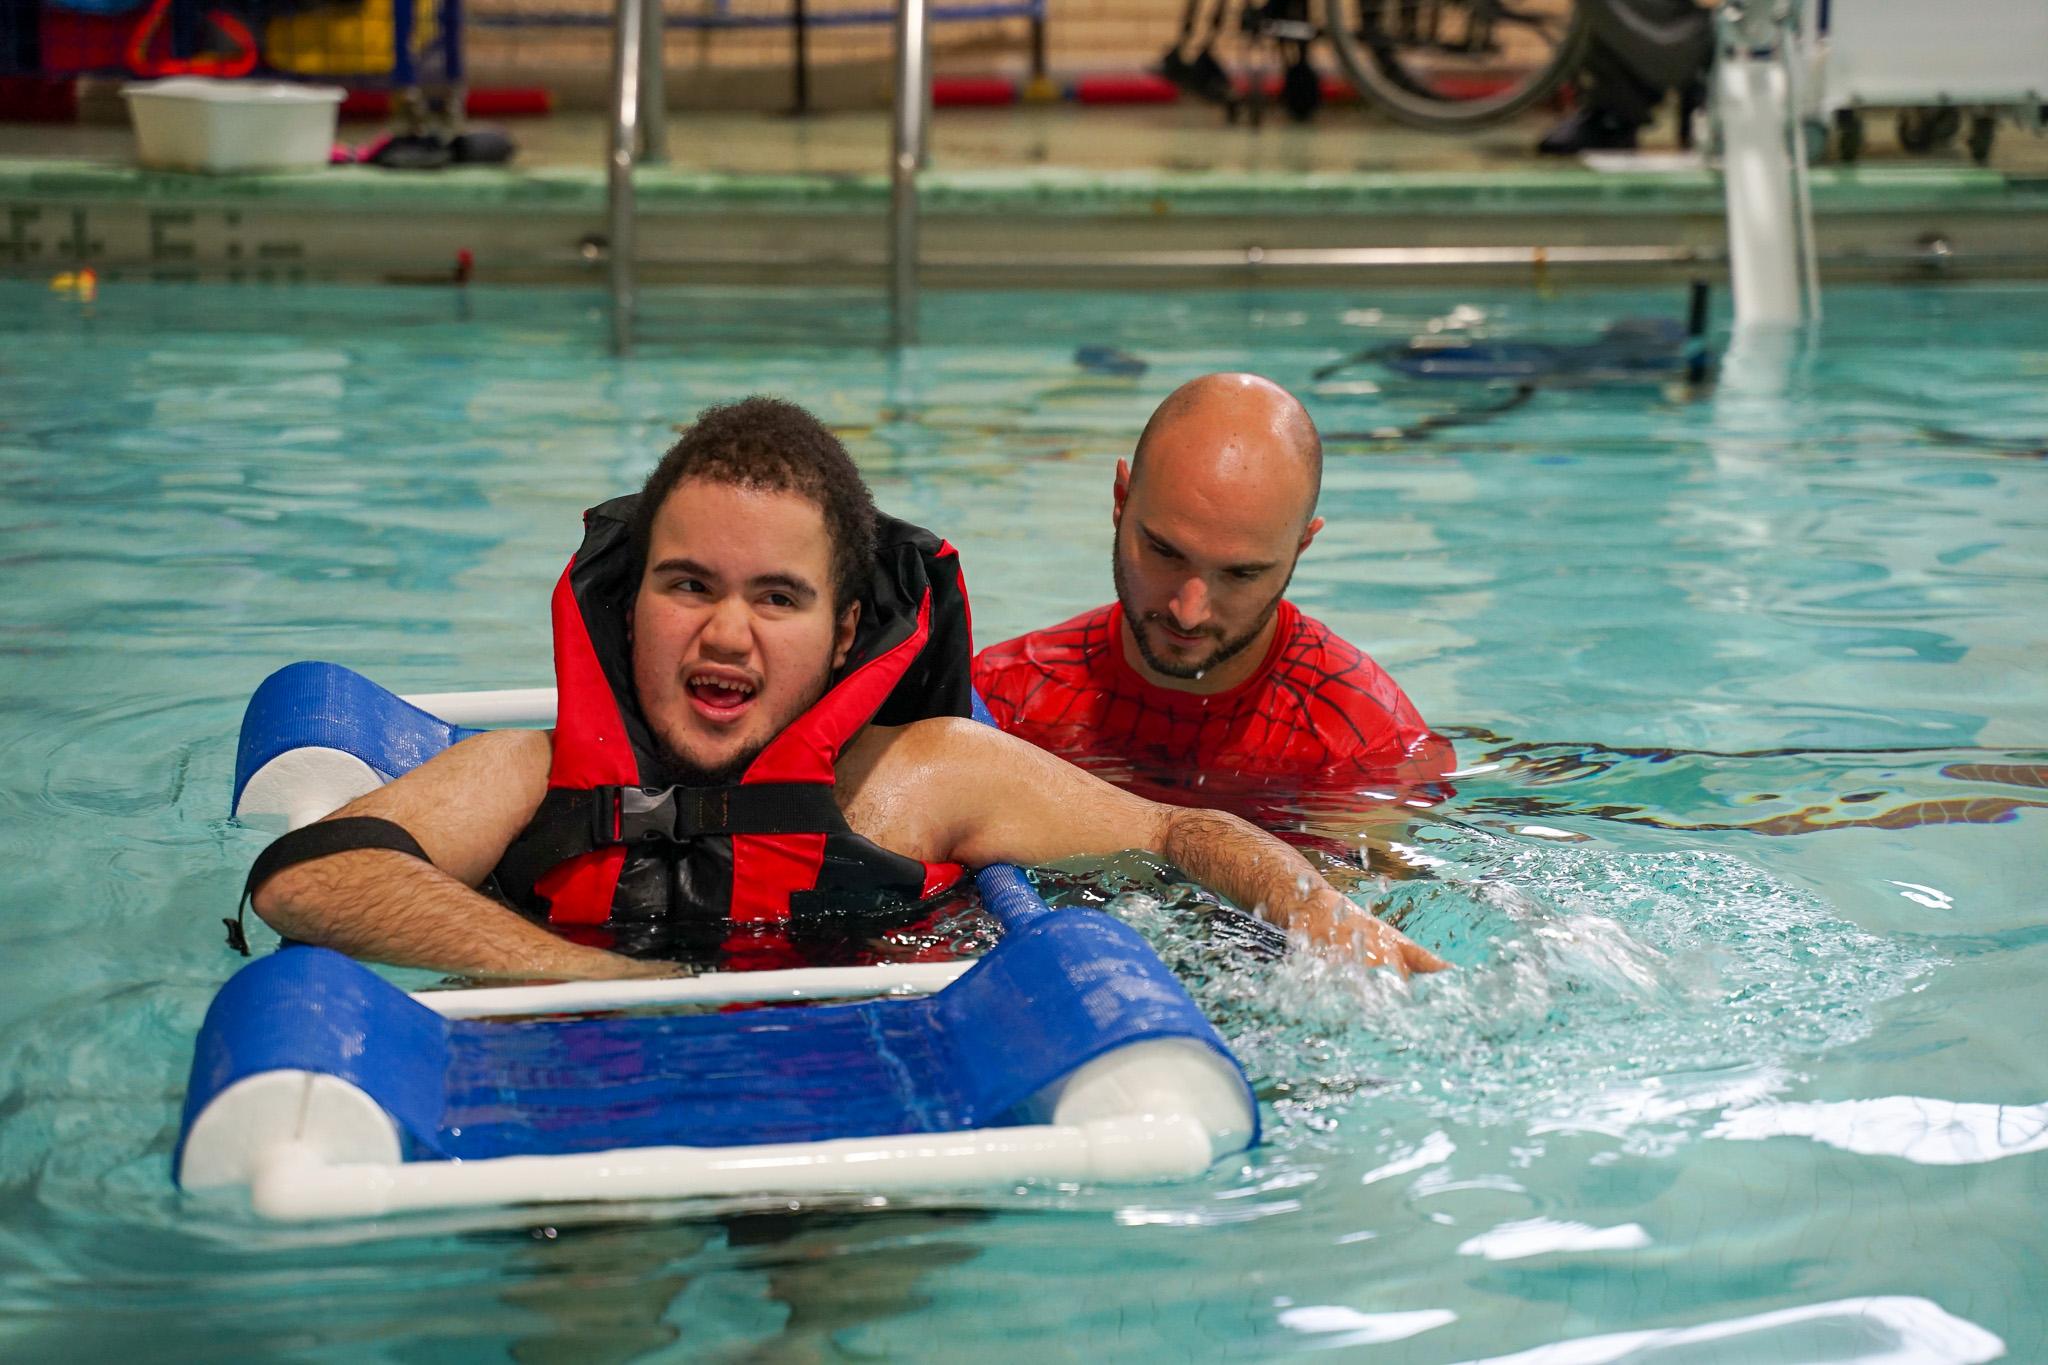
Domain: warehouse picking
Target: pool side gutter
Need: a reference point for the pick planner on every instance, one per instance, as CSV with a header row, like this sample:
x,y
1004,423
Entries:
x,y
1027,226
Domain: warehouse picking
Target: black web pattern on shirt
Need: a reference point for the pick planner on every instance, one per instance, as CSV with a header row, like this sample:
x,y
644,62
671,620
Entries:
x,y
1326,704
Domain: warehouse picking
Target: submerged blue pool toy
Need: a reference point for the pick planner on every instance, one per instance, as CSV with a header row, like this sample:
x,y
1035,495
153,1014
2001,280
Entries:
x,y
1632,350
1068,1052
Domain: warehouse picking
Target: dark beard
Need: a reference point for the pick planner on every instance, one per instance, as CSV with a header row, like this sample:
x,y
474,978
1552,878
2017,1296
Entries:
x,y
1228,649
677,771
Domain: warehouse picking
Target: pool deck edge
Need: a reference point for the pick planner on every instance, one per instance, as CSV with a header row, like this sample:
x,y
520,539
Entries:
x,y
1037,225
1058,192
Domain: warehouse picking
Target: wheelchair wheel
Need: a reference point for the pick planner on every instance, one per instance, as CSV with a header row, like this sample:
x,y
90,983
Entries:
x,y
1448,65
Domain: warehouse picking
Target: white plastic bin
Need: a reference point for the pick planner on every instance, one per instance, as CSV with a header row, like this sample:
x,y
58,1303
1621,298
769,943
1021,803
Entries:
x,y
1913,54
191,123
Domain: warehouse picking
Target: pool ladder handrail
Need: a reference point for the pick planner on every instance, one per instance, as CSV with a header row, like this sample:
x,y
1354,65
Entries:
x,y
639,131
628,61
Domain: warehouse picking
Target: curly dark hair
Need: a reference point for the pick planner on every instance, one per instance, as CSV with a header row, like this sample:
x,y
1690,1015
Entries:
x,y
768,444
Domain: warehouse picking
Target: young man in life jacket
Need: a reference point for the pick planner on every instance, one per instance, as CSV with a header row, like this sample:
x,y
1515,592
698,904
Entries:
x,y
1201,671
762,714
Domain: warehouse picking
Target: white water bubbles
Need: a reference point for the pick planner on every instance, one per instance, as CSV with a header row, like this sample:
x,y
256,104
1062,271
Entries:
x,y
1629,994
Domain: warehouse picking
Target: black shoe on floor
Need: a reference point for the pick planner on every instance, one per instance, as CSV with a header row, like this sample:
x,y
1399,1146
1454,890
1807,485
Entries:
x,y
1208,80
481,147
1301,92
1204,77
1588,130
409,152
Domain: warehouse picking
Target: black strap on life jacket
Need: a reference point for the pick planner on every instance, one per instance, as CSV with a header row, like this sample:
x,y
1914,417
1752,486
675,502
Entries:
x,y
321,839
635,815
571,822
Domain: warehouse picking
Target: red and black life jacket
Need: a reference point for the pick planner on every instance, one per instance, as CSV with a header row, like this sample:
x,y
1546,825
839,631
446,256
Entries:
x,y
617,846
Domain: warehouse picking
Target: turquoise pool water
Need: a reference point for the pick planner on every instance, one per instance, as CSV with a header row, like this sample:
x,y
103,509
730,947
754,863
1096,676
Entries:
x,y
1743,877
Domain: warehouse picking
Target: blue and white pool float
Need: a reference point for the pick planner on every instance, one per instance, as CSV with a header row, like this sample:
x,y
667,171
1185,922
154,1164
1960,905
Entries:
x,y
1069,1052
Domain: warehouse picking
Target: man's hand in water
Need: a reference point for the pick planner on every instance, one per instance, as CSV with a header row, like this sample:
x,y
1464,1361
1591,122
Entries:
x,y
1340,927
1230,855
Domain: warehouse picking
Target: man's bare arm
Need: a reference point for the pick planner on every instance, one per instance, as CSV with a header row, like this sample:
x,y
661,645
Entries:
x,y
969,793
464,806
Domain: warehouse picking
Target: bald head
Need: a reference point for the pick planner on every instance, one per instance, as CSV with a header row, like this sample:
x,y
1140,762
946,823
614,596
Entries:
x,y
1235,429
1207,538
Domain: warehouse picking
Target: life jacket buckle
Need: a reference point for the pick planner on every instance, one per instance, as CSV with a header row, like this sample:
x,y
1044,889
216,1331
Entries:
x,y
641,815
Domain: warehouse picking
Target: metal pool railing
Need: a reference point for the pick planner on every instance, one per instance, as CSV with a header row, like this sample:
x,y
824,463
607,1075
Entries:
x,y
639,132
628,59
907,149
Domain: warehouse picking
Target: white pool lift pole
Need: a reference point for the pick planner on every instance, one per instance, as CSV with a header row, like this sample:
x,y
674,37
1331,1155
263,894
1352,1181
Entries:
x,y
1773,272
906,157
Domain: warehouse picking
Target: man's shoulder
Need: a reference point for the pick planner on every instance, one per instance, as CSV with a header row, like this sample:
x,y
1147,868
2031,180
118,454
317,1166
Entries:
x,y
888,765
1345,662
1072,643
1342,690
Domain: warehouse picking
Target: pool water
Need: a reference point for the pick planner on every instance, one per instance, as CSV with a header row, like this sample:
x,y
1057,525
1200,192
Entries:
x,y
1742,1061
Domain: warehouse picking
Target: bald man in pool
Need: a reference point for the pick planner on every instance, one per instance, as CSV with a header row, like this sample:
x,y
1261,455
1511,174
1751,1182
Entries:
x,y
1202,665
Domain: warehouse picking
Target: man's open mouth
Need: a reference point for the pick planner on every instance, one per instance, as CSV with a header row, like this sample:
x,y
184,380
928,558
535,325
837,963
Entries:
x,y
719,696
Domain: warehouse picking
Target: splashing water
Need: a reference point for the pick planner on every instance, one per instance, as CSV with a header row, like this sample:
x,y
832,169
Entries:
x,y
1593,990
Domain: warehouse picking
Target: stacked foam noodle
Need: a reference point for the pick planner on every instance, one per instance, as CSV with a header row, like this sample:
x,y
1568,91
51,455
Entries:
x,y
1069,1052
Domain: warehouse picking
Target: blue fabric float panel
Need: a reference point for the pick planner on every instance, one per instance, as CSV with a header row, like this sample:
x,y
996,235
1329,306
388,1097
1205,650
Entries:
x,y
1051,996
327,706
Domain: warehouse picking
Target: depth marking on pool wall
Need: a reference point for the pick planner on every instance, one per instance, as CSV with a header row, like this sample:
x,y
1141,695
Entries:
x,y
82,246
159,243
18,246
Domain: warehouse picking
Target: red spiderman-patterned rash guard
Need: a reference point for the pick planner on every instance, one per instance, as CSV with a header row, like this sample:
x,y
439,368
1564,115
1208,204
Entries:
x,y
1318,712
